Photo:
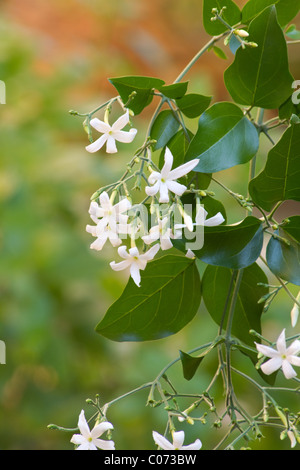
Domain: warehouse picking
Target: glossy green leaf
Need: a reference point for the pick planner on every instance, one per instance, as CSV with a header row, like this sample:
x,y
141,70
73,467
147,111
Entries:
x,y
215,287
260,76
190,364
178,146
280,179
168,299
293,33
284,259
232,15
231,246
286,9
193,104
287,109
164,128
174,91
225,138
136,91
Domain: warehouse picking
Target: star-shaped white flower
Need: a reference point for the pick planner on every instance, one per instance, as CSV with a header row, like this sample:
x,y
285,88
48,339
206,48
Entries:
x,y
110,221
89,439
111,134
164,181
283,357
134,260
161,232
178,439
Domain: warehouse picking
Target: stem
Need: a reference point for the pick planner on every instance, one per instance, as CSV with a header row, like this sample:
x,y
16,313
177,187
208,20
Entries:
x,y
198,55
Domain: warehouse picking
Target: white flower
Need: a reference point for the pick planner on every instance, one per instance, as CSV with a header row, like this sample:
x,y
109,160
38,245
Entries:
x,y
164,181
110,221
111,134
161,232
200,220
134,260
178,439
283,357
89,440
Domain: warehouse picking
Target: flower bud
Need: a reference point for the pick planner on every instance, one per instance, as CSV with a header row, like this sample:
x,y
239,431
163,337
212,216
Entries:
x,y
241,33
295,312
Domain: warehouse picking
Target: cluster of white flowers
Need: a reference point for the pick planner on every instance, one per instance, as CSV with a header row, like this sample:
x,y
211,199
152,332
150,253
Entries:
x,y
89,439
113,220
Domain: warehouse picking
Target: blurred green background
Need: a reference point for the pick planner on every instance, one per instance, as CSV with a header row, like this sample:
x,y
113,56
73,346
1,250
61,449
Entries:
x,y
56,56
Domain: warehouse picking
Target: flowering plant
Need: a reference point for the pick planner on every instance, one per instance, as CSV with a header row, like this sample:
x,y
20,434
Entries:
x,y
178,221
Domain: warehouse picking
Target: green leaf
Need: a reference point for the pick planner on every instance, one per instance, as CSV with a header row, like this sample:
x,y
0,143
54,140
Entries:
x,y
283,259
215,286
190,364
280,179
136,91
286,9
225,138
231,246
168,299
288,108
220,53
232,15
174,91
260,76
178,146
164,128
193,104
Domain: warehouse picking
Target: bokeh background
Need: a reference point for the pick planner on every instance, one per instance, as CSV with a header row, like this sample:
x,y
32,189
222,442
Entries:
x,y
56,56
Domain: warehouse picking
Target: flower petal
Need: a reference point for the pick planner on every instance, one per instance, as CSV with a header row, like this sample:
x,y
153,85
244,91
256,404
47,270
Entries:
x,y
122,250
183,169
104,201
83,425
178,439
99,243
152,190
78,439
104,445
121,122
149,255
101,428
135,273
271,366
161,441
168,164
281,343
195,446
266,350
124,136
100,126
288,370
155,176
97,145
111,145
176,188
294,348
165,243
120,266
163,193
190,254
217,219
122,206
294,360
201,216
